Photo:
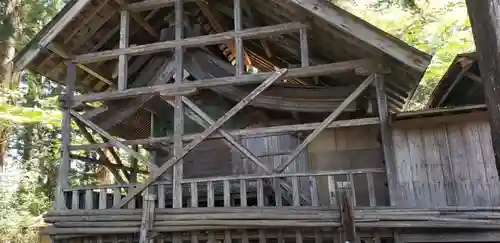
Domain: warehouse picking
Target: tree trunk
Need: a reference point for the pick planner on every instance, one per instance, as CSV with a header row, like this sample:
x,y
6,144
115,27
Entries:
x,y
485,20
11,27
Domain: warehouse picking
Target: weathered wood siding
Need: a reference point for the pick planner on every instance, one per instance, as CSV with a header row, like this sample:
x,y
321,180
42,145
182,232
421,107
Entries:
x,y
349,148
445,164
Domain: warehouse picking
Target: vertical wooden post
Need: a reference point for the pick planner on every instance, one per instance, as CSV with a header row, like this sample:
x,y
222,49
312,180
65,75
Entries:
x,y
304,48
179,107
124,42
238,40
386,137
64,166
178,113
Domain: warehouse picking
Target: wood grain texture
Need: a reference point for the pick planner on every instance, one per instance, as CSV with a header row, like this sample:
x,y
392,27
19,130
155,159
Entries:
x,y
447,165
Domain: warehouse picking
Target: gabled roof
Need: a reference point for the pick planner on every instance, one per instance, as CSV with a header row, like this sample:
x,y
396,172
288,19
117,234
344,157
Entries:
x,y
460,85
335,35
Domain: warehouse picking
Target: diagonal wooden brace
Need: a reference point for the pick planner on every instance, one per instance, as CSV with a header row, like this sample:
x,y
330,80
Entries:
x,y
232,141
173,160
368,81
205,119
105,134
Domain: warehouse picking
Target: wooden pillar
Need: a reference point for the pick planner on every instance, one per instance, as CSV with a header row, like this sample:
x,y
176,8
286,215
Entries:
x,y
178,113
238,40
386,137
124,43
179,106
64,166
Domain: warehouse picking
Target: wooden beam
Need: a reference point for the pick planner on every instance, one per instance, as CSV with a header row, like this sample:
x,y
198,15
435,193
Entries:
x,y
119,144
62,52
386,137
124,42
106,164
474,77
261,32
365,32
139,19
213,18
244,132
169,163
178,112
151,4
173,89
238,26
65,165
355,94
457,79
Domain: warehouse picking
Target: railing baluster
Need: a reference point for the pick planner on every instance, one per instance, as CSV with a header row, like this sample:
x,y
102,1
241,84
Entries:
x,y
314,191
262,236
298,236
371,189
210,204
376,237
117,196
332,191
193,189
352,187
227,193
88,199
75,199
260,193
295,191
227,203
194,194
243,193
103,198
131,204
210,194
277,192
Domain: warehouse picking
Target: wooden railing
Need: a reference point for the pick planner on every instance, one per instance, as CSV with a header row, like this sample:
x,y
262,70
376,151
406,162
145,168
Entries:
x,y
290,189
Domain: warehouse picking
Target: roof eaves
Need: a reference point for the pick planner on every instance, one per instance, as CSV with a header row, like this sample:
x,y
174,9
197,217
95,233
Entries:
x,y
48,33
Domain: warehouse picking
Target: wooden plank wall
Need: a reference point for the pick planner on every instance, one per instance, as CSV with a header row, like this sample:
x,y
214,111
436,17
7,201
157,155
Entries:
x,y
349,148
445,164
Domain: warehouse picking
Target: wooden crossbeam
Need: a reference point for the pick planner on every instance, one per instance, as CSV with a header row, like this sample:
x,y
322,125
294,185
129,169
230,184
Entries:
x,y
185,88
242,132
169,163
255,33
119,144
106,164
368,81
151,4
62,52
213,18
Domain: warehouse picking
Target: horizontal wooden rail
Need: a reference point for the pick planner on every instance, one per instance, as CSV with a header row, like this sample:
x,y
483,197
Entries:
x,y
307,190
260,32
187,87
152,4
281,175
267,131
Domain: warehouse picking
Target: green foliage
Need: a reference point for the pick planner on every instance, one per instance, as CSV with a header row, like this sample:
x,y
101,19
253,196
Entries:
x,y
441,28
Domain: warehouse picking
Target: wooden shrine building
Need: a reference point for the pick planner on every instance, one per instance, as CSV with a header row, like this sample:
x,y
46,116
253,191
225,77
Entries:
x,y
255,120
